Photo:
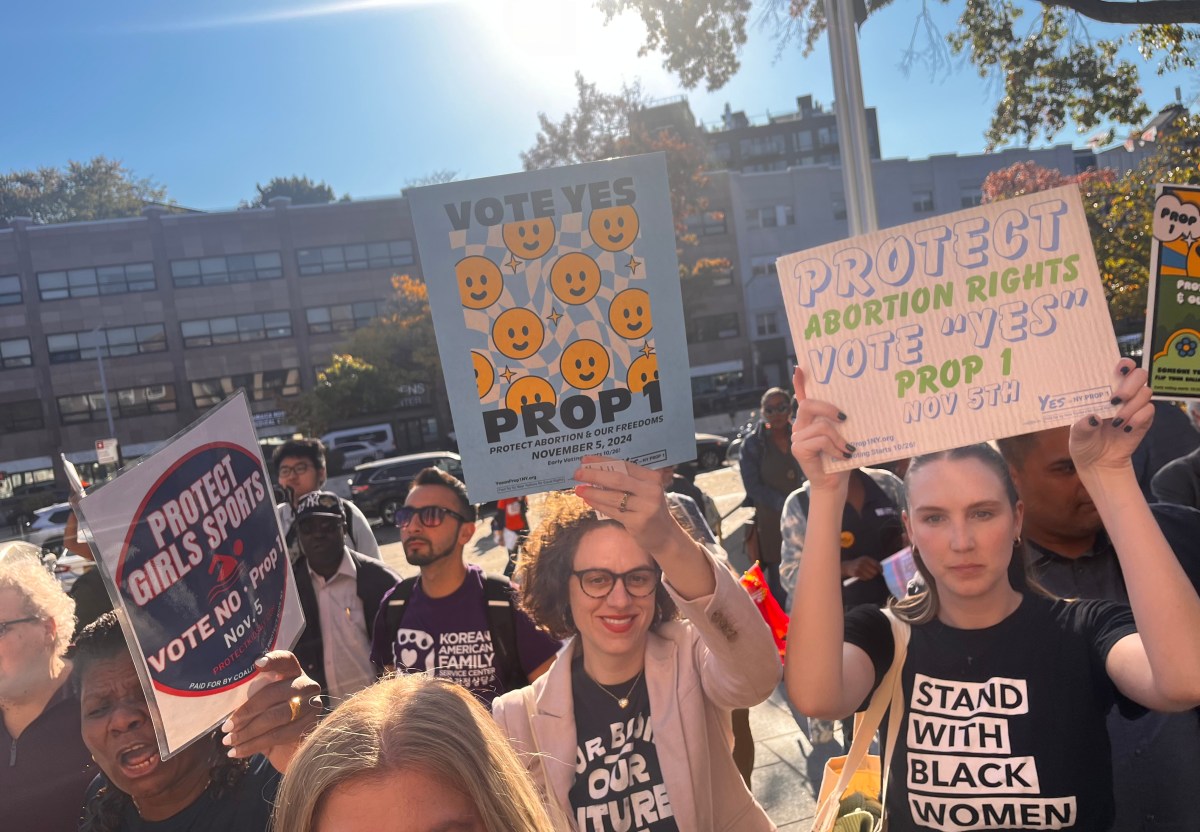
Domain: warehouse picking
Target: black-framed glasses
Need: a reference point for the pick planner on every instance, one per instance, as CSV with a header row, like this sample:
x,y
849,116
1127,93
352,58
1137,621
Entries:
x,y
598,583
429,516
5,626
299,469
772,411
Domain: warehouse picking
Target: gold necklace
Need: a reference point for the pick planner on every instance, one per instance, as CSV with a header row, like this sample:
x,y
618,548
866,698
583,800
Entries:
x,y
622,701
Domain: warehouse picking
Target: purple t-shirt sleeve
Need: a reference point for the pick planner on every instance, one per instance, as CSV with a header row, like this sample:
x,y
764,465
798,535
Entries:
x,y
534,645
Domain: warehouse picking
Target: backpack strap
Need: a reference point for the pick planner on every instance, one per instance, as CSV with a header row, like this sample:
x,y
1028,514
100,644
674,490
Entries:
x,y
396,605
502,622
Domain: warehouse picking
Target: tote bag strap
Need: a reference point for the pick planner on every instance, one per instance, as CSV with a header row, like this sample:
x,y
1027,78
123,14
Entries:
x,y
900,635
889,694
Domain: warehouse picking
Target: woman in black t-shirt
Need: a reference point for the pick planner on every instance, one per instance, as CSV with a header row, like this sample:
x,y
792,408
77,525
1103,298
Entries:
x,y
223,784
1005,689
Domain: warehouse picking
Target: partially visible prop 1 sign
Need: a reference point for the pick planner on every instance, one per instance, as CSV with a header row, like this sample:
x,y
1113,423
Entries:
x,y
1171,349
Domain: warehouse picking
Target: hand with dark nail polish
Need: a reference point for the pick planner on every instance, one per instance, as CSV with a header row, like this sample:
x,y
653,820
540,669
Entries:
x,y
841,416
1115,400
1093,421
1117,422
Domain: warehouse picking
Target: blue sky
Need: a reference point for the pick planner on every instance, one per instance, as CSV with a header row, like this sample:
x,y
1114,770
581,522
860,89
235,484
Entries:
x,y
210,97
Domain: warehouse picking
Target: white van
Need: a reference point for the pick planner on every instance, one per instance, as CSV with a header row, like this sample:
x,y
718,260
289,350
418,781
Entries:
x,y
379,437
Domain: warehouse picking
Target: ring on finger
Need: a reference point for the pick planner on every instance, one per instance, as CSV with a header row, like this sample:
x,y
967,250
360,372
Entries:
x,y
624,505
294,704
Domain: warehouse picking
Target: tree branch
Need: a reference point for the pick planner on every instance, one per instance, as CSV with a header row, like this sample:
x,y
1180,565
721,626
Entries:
x,y
1151,12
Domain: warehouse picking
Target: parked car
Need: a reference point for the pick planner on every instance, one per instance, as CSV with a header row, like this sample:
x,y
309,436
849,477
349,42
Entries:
x,y
710,451
69,568
379,488
349,455
46,528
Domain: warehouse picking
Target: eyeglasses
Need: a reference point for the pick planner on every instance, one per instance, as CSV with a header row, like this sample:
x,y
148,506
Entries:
x,y
598,583
430,516
5,626
773,411
299,469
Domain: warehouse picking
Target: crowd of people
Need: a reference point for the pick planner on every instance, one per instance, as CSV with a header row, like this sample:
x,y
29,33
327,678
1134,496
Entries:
x,y
1051,678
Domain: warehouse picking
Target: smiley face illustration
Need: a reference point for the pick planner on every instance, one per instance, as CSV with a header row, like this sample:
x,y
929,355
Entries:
x,y
485,373
613,229
575,278
529,239
641,372
584,364
479,282
518,333
529,390
629,314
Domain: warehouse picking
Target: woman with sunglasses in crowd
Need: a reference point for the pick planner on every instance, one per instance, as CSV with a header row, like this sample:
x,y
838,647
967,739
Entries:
x,y
630,728
769,475
1005,689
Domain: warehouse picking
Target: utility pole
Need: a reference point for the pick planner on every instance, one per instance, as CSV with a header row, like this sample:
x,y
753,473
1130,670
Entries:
x,y
112,431
851,118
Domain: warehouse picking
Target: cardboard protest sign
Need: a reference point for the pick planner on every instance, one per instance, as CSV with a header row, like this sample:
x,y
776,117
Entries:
x,y
556,301
1172,343
961,328
193,557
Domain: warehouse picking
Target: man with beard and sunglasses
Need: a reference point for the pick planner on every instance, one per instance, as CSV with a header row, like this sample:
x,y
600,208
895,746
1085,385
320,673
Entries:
x,y
453,620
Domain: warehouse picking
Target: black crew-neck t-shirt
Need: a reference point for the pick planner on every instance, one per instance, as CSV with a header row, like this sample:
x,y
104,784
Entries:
x,y
244,807
1004,727
618,782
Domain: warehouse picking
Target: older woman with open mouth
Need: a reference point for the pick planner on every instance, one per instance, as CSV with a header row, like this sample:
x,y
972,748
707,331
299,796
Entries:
x,y
664,643
226,782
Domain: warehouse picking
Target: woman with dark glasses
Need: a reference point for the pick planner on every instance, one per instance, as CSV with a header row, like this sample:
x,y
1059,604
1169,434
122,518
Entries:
x,y
769,475
630,727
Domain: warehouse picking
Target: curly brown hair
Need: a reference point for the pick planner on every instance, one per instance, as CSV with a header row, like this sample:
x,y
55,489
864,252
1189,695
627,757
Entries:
x,y
548,558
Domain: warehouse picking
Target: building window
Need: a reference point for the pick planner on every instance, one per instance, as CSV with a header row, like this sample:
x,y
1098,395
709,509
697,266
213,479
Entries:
x,y
763,266
802,141
722,151
131,401
713,327
345,318
971,197
922,201
263,386
26,415
837,203
332,259
761,146
15,353
766,323
103,280
213,332
233,268
10,290
706,225
772,216
111,343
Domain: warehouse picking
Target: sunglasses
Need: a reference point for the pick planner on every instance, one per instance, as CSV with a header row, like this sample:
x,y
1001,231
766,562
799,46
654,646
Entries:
x,y
430,516
598,583
772,411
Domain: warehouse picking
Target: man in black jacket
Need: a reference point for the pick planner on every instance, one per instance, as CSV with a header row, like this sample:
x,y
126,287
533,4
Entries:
x,y
340,591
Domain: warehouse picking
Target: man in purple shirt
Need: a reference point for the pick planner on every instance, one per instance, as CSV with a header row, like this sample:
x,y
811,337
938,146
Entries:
x,y
454,621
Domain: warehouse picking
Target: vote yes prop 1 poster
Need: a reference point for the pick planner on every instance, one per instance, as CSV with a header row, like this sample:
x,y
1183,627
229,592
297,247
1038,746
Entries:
x,y
961,328
192,554
1172,343
556,301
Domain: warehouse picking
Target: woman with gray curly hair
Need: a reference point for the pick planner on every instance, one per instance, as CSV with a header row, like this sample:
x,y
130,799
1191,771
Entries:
x,y
49,768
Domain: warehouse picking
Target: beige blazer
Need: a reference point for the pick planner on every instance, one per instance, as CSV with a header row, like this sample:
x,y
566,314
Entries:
x,y
722,657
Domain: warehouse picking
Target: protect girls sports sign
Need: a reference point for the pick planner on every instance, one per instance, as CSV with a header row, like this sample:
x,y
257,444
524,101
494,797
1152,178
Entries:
x,y
190,547
555,297
961,328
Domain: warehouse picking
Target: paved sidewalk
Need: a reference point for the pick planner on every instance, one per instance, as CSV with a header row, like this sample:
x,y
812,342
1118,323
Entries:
x,y
781,751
